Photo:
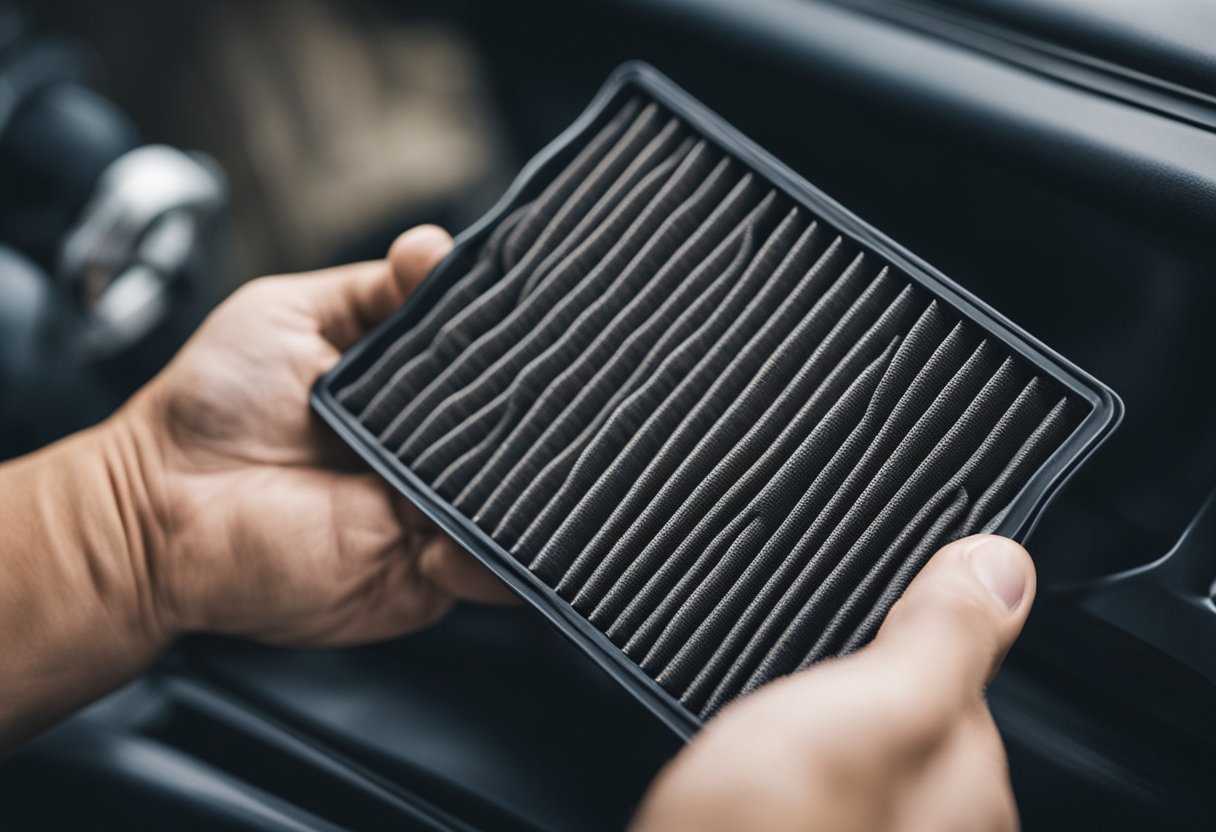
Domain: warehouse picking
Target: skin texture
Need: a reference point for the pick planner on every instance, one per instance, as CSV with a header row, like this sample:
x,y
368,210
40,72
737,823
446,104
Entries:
x,y
215,501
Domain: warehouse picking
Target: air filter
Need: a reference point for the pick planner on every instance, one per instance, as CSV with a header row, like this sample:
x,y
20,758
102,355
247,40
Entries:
x,y
703,418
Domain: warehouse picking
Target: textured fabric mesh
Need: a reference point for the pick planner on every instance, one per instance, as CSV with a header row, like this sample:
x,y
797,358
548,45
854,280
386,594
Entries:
x,y
726,434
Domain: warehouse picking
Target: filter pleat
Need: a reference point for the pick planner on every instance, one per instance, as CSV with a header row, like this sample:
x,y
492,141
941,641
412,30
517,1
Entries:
x,y
767,489
539,231
1004,486
540,316
632,299
588,170
697,277
702,415
635,427
709,431
537,508
756,443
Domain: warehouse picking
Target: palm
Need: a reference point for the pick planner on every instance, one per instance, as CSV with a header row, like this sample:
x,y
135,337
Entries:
x,y
271,528
243,397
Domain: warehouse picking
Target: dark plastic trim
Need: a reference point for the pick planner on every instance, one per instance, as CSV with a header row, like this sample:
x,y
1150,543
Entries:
x,y
167,782
260,727
632,78
1169,604
1054,60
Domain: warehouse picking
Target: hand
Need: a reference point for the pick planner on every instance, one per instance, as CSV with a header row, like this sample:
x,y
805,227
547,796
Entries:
x,y
895,737
254,520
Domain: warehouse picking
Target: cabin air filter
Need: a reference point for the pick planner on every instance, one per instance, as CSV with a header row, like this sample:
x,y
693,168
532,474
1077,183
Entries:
x,y
708,422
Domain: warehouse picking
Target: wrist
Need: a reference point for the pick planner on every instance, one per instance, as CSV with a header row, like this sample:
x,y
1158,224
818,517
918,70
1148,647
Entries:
x,y
75,601
128,455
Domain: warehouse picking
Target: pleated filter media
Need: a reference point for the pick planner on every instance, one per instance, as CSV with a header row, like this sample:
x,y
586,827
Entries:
x,y
706,420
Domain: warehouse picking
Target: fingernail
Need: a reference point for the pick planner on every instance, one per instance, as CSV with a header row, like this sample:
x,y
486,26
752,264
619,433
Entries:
x,y
1001,568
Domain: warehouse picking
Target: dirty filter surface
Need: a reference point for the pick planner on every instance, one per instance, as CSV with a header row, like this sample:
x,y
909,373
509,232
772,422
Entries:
x,y
725,434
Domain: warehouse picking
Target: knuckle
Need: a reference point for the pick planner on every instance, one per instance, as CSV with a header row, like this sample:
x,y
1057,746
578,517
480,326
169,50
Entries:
x,y
997,807
254,288
1005,817
259,290
985,752
913,709
731,774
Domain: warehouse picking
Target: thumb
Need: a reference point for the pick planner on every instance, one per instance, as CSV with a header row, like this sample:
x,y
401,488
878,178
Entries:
x,y
961,614
412,256
350,301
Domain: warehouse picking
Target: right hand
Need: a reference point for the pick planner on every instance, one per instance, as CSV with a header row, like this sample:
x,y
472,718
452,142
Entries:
x,y
896,737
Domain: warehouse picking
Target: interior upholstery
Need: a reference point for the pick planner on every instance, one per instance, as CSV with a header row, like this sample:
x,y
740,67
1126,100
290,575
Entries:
x,y
726,434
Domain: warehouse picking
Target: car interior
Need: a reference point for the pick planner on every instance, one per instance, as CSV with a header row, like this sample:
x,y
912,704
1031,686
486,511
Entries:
x,y
1056,160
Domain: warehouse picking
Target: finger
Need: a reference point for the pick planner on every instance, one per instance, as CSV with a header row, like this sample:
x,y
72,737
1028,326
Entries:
x,y
414,253
948,633
403,600
459,573
326,449
366,584
349,301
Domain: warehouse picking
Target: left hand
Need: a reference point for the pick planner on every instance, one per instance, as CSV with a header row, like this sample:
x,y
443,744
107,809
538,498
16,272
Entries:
x,y
254,520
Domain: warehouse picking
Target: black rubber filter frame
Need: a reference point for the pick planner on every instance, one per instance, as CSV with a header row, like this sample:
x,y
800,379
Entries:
x,y
1104,409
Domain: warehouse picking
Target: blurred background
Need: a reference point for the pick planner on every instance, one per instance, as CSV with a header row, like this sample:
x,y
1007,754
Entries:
x,y
1059,160
313,132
